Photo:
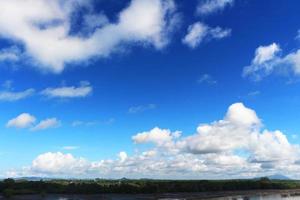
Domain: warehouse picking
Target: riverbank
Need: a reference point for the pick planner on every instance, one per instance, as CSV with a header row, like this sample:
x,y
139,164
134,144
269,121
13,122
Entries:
x,y
167,196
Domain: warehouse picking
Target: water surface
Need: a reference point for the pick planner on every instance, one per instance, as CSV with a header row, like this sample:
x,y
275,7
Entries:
x,y
285,196
264,197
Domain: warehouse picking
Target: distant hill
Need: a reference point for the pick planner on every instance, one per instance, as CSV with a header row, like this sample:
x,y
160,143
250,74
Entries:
x,y
271,177
278,177
33,178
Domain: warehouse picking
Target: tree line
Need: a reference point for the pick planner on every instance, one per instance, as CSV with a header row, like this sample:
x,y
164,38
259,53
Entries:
x,y
9,187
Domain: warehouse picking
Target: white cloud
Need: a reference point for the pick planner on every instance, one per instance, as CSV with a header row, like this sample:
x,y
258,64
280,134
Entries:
x,y
198,32
123,156
293,61
265,53
69,92
157,136
240,131
239,114
207,7
15,96
236,146
231,133
24,120
43,28
141,108
219,33
58,164
46,124
273,147
267,60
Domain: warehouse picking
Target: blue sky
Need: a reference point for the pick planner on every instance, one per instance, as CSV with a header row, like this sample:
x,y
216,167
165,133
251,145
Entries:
x,y
101,88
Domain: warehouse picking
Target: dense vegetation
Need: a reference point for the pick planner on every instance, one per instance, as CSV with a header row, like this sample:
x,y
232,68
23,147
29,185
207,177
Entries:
x,y
9,187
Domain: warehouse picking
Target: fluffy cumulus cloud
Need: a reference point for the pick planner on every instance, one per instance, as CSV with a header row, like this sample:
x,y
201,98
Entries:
x,y
160,137
270,59
199,32
43,29
236,146
83,90
206,7
58,163
26,120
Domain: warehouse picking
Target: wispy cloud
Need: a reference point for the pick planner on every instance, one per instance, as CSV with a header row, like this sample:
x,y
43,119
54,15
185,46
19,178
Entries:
x,y
141,108
7,84
15,96
77,123
254,93
8,93
84,123
10,54
46,124
200,32
84,89
298,35
109,121
207,7
206,78
70,147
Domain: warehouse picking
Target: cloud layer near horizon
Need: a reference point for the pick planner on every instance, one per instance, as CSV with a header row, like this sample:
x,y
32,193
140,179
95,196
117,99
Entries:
x,y
236,146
